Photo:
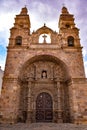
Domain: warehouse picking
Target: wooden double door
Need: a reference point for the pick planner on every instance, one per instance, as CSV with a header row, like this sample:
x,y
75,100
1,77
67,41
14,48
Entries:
x,y
44,108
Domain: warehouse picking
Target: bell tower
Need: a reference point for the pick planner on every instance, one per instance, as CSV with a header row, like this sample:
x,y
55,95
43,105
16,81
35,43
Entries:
x,y
67,28
21,30
22,20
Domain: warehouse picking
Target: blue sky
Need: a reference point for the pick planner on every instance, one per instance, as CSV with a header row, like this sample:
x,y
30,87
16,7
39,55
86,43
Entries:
x,y
41,11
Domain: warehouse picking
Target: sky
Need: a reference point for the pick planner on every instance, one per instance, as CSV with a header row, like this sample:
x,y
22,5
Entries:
x,y
40,12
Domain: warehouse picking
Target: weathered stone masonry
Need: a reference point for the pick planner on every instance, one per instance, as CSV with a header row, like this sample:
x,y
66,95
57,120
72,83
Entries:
x,y
44,81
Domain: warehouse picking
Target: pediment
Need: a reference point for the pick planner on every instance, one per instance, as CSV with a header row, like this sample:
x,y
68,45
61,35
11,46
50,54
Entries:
x,y
44,29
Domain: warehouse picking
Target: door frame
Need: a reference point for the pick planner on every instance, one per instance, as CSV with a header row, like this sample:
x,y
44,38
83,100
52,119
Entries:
x,y
44,109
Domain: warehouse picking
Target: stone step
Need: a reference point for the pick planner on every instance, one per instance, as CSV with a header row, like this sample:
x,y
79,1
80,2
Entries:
x,y
42,126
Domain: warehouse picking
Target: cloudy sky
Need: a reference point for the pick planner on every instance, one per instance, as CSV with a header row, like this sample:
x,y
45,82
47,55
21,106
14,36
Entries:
x,y
41,11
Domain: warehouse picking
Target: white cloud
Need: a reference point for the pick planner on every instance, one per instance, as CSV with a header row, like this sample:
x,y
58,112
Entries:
x,y
85,60
84,52
2,61
85,64
42,14
6,22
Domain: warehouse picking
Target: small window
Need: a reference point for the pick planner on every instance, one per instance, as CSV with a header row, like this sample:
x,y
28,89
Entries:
x,y
67,26
70,41
18,40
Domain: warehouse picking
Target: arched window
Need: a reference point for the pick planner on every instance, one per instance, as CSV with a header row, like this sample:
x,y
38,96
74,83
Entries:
x,y
67,25
45,38
18,40
70,41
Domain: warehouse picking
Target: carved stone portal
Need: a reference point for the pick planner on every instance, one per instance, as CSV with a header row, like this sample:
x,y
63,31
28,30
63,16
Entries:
x,y
43,95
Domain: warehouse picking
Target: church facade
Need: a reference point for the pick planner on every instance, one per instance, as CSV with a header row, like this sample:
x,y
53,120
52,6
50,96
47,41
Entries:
x,y
44,78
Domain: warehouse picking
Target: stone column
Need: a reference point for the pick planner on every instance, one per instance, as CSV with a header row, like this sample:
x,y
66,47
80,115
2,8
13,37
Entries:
x,y
59,120
29,101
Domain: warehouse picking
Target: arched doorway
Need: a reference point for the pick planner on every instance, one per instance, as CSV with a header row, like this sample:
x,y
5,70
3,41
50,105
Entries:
x,y
44,108
45,73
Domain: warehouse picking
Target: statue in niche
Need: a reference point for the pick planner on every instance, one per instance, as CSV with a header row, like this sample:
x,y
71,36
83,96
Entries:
x,y
44,74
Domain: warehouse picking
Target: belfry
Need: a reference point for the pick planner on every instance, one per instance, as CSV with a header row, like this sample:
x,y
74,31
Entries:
x,y
44,81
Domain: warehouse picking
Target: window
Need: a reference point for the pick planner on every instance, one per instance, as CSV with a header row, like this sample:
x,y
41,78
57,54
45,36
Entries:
x,y
67,26
70,41
45,38
18,40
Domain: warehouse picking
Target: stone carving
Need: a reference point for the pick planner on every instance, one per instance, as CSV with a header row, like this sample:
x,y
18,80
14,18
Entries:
x,y
43,69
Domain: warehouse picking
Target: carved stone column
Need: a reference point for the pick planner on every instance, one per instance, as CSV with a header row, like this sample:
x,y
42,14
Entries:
x,y
59,120
29,101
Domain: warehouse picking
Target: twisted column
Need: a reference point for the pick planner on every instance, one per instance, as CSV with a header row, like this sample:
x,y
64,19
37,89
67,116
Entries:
x,y
29,102
59,120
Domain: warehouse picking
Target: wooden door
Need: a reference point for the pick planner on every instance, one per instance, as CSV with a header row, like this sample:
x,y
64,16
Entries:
x,y
44,108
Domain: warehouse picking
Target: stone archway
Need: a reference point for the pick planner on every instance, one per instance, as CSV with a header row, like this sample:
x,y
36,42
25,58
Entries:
x,y
42,74
44,108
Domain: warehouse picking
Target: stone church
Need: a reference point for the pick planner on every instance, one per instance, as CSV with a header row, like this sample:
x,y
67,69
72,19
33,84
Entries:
x,y
44,78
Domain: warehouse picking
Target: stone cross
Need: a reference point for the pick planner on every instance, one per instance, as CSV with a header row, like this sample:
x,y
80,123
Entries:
x,y
44,36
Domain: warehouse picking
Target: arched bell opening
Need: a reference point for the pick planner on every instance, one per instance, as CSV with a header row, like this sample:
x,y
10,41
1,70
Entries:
x,y
45,38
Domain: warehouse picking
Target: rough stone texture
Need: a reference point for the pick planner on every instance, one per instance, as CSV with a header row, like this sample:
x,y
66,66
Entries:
x,y
34,68
43,126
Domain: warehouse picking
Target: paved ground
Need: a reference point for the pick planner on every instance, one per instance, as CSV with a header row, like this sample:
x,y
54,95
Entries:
x,y
42,126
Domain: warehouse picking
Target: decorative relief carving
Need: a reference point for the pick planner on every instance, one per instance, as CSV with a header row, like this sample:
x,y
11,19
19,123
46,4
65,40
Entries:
x,y
42,69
